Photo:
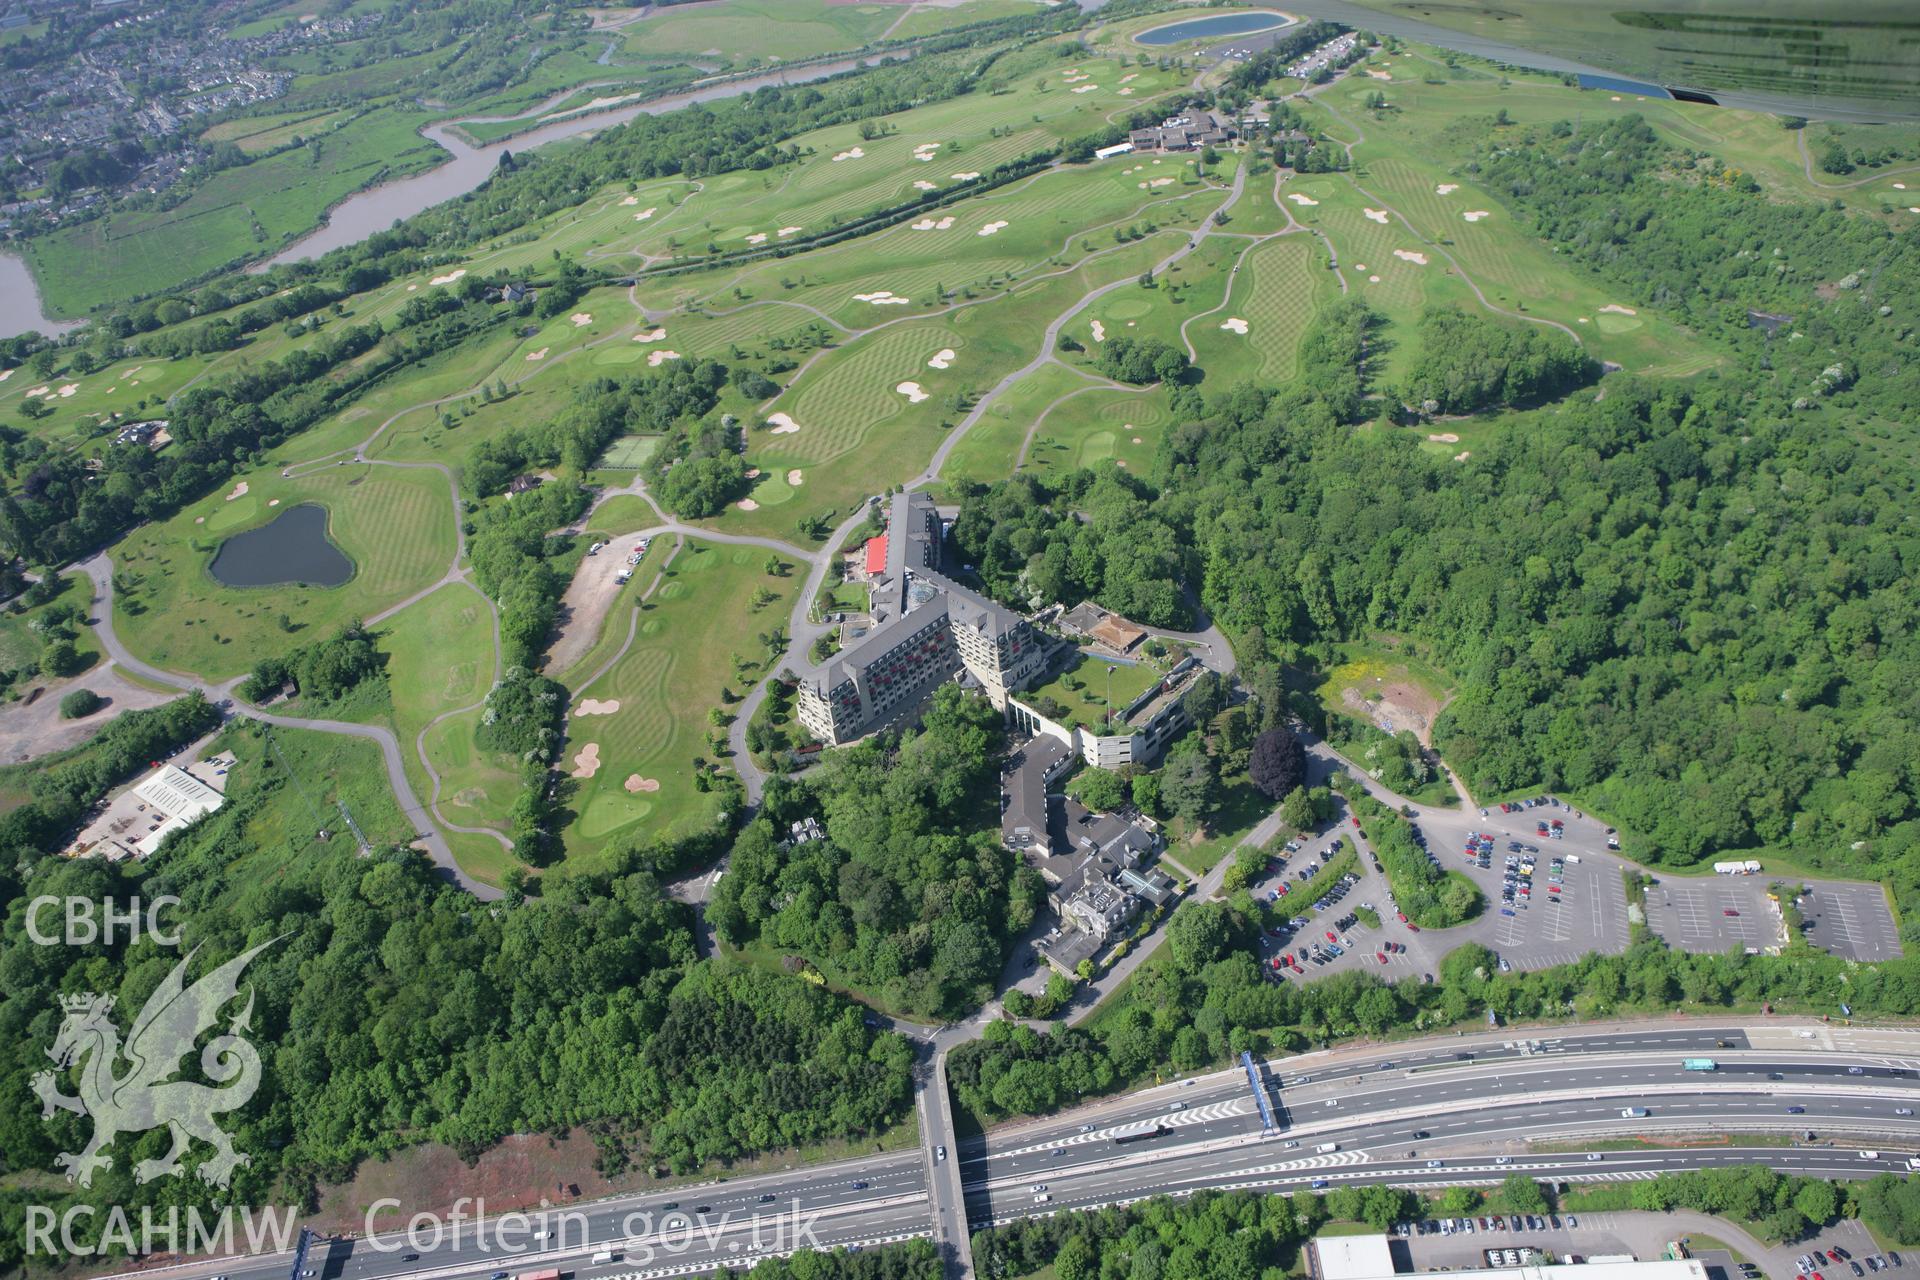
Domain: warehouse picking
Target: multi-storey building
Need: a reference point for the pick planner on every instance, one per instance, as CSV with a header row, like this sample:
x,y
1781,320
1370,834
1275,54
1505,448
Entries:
x,y
927,628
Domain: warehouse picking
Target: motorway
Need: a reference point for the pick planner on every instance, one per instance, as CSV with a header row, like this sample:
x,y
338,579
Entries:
x,y
1440,1111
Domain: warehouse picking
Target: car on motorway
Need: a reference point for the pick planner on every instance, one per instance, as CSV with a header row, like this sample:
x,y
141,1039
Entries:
x,y
1856,1071
858,1186
1436,1164
1903,1111
1796,1111
1593,1155
766,1197
707,1208
1319,1184
1503,1159
1037,1188
409,1257
940,1152
498,1275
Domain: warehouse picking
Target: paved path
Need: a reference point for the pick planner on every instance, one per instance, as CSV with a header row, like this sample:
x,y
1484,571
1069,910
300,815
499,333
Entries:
x,y
99,572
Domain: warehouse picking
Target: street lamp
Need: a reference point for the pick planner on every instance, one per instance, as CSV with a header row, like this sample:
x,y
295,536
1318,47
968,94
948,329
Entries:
x,y
1109,697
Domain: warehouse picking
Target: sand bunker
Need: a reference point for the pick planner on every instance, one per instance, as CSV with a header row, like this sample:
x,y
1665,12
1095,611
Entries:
x,y
587,763
629,202
8,373
635,783
541,354
753,473
782,424
796,477
1898,186
1376,215
942,359
929,224
758,237
450,277
1234,325
67,391
273,502
1463,455
239,491
1446,188
581,318
1157,182
595,707
1086,88
992,228
199,519
747,504
657,358
1137,440
1099,332
965,177
852,153
412,287
650,335
1614,308
1305,202
37,391
1126,93
1474,215
643,215
1381,75
787,231
884,298
1373,279
925,150
913,391
1445,437
1408,255
1130,77
1359,266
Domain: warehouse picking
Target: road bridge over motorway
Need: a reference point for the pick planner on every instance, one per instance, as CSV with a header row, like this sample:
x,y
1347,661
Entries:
x,y
1433,1112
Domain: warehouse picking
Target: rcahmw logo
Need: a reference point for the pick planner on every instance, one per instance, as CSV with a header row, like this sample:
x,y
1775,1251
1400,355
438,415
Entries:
x,y
128,1089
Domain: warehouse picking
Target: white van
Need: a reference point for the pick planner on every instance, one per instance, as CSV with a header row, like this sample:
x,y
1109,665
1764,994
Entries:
x,y
1042,1198
1573,859
1325,1147
1869,1155
1633,1113
605,1255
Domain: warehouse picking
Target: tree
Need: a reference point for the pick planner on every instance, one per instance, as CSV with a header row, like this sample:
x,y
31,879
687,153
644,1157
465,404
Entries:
x,y
1199,934
1076,1260
81,702
1101,790
1522,1194
1278,765
61,659
1188,784
1297,810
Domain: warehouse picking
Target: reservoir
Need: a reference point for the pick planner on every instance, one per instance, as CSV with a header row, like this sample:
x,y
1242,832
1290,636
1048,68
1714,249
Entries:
x,y
292,548
1216,26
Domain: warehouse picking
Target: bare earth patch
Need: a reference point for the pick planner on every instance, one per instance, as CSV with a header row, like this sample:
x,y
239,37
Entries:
x,y
1401,705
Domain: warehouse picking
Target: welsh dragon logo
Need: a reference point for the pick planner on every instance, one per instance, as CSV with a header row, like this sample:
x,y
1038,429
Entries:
x,y
143,1097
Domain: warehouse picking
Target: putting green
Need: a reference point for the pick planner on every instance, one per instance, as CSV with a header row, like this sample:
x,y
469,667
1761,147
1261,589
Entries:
x,y
231,515
651,627
1128,309
1096,447
1614,322
772,489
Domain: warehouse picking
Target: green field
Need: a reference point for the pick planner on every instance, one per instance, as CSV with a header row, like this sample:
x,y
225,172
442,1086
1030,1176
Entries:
x,y
1086,690
238,213
395,525
756,30
700,618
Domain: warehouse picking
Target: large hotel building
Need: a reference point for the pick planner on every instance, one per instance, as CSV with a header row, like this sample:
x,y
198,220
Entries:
x,y
927,628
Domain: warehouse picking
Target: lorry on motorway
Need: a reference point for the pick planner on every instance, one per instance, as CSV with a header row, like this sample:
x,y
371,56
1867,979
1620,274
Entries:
x,y
1700,1064
1326,1147
1137,1132
551,1273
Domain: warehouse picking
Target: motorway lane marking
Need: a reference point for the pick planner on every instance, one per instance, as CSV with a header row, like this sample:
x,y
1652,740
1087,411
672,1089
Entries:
x,y
1229,1109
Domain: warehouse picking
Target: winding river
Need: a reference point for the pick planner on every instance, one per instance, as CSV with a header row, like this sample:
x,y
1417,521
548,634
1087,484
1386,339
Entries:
x,y
467,166
378,208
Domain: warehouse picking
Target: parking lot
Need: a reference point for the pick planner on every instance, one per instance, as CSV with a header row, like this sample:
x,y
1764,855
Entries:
x,y
1713,915
1851,920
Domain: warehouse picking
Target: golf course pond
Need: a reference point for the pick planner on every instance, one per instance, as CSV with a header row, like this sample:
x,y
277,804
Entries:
x,y
1219,24
292,548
